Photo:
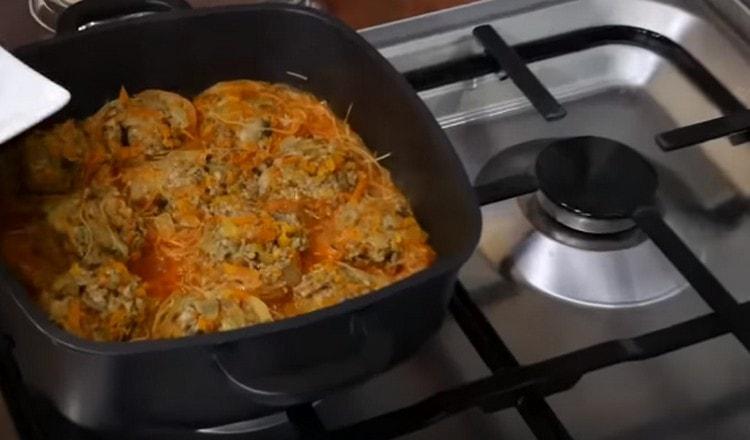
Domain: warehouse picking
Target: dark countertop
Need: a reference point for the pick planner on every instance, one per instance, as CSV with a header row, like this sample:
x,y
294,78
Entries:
x,y
17,27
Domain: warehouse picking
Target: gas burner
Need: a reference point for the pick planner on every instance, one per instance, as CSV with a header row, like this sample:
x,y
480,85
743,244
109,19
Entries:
x,y
583,223
582,246
592,184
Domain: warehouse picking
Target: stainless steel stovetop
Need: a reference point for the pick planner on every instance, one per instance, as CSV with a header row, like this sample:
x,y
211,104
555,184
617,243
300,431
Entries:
x,y
546,296
629,94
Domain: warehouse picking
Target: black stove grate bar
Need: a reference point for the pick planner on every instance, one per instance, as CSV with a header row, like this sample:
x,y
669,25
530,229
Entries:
x,y
503,391
480,332
537,414
690,135
506,188
535,411
519,73
703,281
478,65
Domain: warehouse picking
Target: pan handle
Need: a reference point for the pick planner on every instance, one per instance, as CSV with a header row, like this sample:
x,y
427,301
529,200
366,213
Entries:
x,y
91,13
301,372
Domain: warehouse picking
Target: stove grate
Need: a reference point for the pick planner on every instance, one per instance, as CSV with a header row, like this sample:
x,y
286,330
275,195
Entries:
x,y
735,125
519,73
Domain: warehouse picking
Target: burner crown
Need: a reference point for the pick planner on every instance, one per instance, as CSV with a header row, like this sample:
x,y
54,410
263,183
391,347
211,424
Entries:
x,y
595,177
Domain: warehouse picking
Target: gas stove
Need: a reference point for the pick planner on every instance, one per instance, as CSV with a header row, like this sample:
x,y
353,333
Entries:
x,y
606,299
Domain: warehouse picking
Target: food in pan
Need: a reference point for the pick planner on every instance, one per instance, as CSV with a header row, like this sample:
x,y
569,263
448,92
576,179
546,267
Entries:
x,y
161,217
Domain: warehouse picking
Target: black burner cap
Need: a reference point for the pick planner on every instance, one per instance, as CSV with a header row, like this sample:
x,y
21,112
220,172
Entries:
x,y
595,177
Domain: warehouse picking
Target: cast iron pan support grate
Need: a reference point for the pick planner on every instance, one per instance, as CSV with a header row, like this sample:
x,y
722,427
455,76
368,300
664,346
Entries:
x,y
700,278
507,58
540,379
735,125
533,409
